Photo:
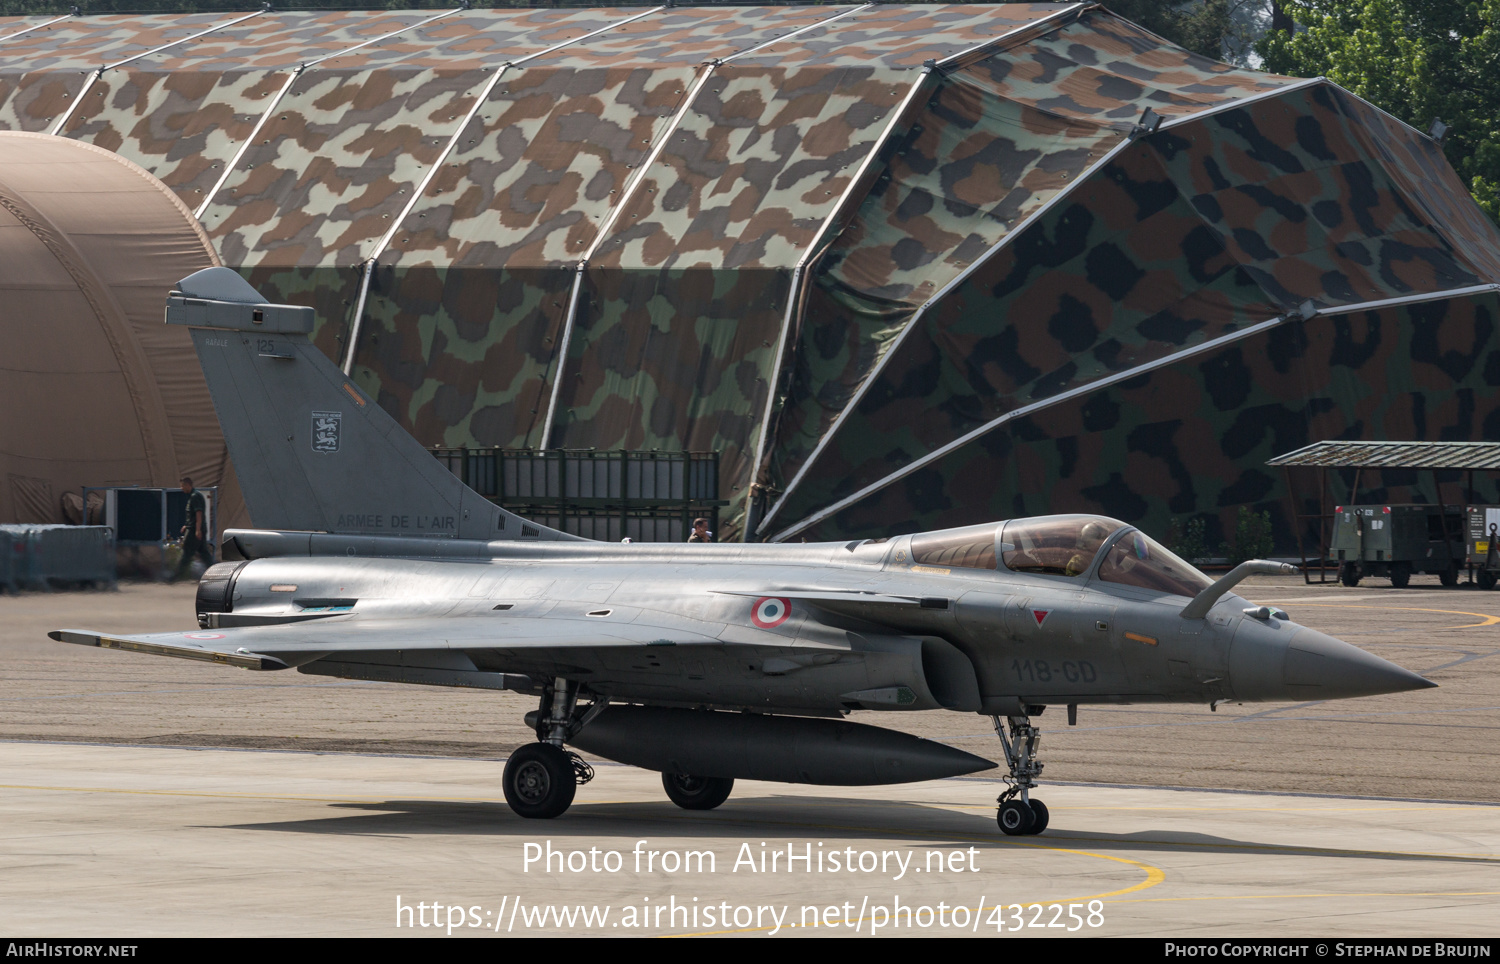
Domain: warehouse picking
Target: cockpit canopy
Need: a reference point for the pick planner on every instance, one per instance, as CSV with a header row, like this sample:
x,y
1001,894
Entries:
x,y
1062,545
1137,560
972,547
1058,545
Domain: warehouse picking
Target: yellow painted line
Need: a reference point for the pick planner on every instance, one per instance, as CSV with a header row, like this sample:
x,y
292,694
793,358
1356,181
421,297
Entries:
x,y
1310,850
1427,893
1488,619
1154,875
1060,809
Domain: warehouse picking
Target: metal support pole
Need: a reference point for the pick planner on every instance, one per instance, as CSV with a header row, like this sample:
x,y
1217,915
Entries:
x,y
875,370
99,71
1437,486
245,145
1469,501
1323,535
39,26
94,75
1297,517
359,316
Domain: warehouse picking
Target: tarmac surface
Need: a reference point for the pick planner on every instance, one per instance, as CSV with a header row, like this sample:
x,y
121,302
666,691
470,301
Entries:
x,y
147,841
319,801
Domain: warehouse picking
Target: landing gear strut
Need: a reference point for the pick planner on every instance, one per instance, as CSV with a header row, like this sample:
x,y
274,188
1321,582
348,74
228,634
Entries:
x,y
1019,815
541,778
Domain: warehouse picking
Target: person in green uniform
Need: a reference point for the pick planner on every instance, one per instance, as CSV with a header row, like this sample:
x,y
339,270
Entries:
x,y
195,532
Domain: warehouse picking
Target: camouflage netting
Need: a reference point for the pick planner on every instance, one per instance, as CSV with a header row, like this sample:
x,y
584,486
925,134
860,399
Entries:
x,y
902,265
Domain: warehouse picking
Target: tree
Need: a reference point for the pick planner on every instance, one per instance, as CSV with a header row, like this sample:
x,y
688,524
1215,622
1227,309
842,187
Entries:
x,y
1252,537
1198,26
1188,538
1417,59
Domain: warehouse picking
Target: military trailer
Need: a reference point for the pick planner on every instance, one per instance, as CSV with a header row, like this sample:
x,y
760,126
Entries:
x,y
1398,540
1484,543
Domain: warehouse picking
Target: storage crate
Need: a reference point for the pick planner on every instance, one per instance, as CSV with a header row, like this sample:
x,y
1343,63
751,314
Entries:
x,y
51,556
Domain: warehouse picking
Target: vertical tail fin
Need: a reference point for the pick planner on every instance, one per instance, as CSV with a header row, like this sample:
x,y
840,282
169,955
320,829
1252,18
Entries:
x,y
311,450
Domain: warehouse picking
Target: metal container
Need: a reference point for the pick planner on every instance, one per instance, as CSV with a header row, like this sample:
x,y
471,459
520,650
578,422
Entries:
x,y
1483,530
1396,541
7,564
50,556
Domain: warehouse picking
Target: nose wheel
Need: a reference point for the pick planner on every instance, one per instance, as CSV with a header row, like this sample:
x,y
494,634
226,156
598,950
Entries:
x,y
1019,818
1019,815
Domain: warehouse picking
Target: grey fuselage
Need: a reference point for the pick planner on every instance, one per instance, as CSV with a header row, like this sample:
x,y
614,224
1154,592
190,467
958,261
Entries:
x,y
864,627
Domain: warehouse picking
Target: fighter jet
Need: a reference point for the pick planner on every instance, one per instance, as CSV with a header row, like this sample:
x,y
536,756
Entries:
x,y
707,663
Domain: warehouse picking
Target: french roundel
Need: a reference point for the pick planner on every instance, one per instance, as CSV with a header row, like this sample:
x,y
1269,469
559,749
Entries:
x,y
770,611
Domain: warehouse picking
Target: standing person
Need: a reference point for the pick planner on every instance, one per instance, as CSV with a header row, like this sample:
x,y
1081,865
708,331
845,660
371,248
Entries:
x,y
700,532
194,533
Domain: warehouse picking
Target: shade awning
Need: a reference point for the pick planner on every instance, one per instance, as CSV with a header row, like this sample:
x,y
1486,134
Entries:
x,y
1395,455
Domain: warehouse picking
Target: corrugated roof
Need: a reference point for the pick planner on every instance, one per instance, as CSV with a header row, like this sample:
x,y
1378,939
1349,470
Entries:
x,y
1395,455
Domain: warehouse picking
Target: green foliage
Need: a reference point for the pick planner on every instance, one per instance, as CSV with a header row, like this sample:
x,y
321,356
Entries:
x,y
1252,537
1199,27
1417,59
1189,539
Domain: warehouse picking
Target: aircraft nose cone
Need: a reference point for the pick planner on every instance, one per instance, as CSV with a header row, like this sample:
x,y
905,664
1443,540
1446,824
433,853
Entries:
x,y
1322,667
1274,661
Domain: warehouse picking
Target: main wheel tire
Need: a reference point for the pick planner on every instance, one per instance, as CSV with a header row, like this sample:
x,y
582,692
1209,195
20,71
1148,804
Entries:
x,y
1401,575
1349,574
1039,809
1449,576
1015,818
696,793
1487,579
539,781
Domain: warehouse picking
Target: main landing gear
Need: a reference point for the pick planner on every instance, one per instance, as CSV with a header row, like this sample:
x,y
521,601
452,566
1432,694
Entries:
x,y
1019,815
541,778
697,793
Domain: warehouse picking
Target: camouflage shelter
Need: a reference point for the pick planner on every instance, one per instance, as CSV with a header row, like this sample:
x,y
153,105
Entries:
x,y
94,389
904,266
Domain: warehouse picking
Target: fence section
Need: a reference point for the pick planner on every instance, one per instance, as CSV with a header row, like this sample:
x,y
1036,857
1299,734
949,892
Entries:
x,y
642,496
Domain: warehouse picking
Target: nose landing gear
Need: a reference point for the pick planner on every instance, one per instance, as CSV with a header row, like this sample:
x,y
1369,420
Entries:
x,y
1019,815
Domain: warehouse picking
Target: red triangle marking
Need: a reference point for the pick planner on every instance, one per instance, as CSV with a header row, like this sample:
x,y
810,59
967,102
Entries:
x,y
1040,615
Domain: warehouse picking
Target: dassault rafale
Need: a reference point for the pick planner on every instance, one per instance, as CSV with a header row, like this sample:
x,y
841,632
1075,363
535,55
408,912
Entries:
x,y
705,662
